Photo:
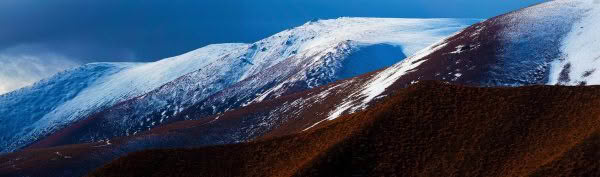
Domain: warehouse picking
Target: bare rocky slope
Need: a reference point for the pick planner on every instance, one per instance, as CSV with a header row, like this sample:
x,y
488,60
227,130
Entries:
x,y
428,129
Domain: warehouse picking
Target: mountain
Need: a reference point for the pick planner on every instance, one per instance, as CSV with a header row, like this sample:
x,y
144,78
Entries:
x,y
420,131
526,47
144,95
544,44
90,87
22,108
516,49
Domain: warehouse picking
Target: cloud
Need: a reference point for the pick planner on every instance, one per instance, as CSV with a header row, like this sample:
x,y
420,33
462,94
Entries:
x,y
19,70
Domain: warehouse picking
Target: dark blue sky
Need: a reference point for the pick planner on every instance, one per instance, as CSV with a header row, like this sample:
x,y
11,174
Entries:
x,y
40,38
146,30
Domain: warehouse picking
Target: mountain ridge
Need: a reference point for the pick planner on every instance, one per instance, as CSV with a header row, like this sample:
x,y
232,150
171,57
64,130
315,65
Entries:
x,y
392,138
303,57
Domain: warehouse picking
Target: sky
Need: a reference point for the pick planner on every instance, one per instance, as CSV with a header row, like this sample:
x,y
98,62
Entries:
x,y
40,38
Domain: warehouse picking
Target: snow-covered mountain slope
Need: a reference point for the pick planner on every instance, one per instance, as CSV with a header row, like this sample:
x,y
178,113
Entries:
x,y
542,44
87,89
148,94
515,49
21,108
525,47
581,54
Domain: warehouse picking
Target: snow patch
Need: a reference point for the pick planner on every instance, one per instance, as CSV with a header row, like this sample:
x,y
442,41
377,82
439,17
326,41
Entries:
x,y
459,49
581,50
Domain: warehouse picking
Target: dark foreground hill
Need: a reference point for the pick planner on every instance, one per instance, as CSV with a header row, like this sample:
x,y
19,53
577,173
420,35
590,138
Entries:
x,y
428,129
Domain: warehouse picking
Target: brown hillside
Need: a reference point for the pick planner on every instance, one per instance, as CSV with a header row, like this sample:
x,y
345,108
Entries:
x,y
430,129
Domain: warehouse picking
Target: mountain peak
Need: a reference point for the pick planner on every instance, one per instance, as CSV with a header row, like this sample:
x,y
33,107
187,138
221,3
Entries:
x,y
220,77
